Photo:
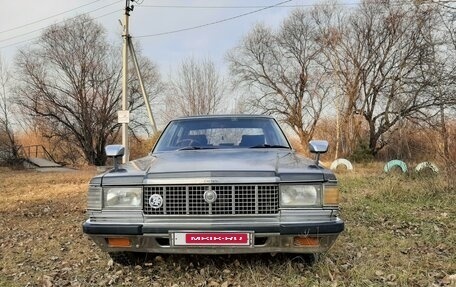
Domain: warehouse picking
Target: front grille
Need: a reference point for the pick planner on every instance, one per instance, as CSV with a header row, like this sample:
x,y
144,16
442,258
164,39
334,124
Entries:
x,y
231,199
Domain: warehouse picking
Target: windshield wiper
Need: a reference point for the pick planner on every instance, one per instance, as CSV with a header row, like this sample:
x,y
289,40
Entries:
x,y
269,146
196,147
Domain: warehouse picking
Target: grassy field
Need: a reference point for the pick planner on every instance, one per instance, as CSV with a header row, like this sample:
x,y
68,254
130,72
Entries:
x,y
400,231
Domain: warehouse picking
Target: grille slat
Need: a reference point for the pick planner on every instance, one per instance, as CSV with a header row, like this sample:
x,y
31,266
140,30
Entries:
x,y
231,200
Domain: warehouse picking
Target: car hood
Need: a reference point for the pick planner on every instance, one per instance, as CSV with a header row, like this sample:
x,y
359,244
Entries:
x,y
280,163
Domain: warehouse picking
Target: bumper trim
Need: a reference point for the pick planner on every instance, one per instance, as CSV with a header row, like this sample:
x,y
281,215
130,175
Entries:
x,y
312,228
331,227
112,229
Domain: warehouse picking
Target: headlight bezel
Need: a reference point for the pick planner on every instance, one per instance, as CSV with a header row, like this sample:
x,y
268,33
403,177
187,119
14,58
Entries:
x,y
135,193
301,189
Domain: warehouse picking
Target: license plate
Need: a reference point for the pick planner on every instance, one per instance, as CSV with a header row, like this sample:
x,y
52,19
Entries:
x,y
212,238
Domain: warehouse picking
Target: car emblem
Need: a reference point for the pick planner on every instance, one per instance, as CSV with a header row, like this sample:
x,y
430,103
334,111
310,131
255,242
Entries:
x,y
210,196
155,201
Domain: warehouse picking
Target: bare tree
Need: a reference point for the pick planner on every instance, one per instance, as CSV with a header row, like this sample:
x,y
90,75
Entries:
x,y
70,83
444,72
9,146
283,71
196,89
382,62
340,51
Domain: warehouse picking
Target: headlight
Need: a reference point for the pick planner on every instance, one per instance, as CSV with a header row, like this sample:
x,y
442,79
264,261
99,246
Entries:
x,y
299,195
128,197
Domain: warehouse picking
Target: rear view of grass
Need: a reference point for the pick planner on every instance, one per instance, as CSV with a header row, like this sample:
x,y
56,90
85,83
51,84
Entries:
x,y
400,231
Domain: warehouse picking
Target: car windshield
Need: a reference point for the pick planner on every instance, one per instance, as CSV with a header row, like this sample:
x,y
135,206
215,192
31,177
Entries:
x,y
220,132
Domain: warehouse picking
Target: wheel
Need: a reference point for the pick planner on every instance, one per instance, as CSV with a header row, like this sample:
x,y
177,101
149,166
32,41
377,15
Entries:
x,y
309,259
128,258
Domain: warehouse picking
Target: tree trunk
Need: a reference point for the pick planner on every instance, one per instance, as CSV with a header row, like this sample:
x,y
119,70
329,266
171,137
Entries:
x,y
373,138
444,134
304,138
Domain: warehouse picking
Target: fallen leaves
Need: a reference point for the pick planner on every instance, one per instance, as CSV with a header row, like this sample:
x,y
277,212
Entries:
x,y
41,244
46,281
449,280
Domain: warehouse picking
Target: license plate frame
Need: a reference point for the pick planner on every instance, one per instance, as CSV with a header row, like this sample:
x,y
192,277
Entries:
x,y
212,238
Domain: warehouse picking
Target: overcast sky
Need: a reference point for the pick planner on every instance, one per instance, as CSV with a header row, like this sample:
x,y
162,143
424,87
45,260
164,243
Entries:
x,y
148,18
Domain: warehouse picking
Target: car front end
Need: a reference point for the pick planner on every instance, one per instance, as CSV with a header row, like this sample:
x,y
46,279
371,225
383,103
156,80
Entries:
x,y
219,200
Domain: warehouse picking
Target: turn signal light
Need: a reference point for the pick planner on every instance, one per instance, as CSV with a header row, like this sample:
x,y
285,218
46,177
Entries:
x,y
118,242
306,241
331,195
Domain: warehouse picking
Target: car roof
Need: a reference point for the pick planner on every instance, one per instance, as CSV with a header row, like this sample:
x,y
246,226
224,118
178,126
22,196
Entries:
x,y
224,116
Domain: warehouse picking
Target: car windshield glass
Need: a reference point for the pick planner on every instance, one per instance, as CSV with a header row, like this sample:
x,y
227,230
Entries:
x,y
220,132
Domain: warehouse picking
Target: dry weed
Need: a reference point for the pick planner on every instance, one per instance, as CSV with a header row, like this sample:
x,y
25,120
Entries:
x,y
399,232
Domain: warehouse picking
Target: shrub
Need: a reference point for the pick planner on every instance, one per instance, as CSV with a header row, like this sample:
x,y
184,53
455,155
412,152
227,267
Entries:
x,y
361,154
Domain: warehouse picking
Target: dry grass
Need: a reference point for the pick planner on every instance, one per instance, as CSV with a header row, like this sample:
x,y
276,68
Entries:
x,y
400,231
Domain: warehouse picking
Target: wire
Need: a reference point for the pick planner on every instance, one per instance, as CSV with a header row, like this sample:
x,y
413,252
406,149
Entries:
x,y
241,7
49,17
212,23
287,6
446,6
34,38
20,42
39,29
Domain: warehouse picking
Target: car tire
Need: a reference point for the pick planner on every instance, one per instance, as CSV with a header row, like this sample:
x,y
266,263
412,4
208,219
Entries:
x,y
128,258
393,163
341,161
309,259
423,166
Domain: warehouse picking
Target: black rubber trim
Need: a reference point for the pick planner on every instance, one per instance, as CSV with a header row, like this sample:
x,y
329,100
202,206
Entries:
x,y
283,229
112,229
260,229
312,228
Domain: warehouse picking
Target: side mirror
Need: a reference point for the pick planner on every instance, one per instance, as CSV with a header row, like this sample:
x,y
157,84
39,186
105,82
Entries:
x,y
115,151
318,147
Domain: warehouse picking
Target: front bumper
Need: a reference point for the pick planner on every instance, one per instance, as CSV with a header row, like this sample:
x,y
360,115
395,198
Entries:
x,y
280,237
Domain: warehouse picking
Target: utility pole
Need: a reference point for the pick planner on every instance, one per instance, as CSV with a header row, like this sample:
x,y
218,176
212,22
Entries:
x,y
143,90
125,108
124,114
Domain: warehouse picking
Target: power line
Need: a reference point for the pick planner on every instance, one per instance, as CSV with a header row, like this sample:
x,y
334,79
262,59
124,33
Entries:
x,y
213,23
49,17
278,5
39,29
446,6
243,7
20,42
34,38
286,6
